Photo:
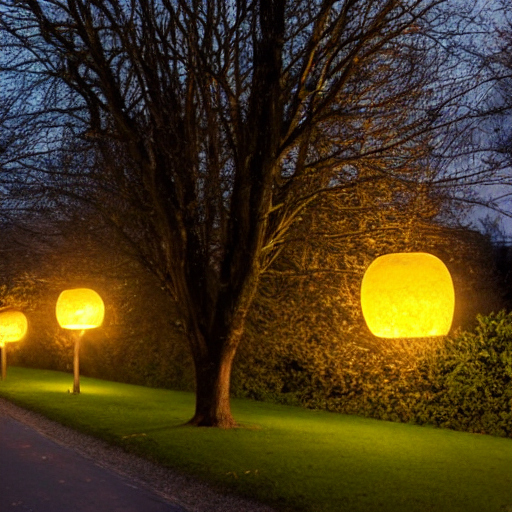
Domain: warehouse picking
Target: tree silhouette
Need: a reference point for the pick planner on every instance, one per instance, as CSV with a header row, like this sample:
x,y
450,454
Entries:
x,y
201,129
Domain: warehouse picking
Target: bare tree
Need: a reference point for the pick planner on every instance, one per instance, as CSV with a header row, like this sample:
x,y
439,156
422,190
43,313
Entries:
x,y
201,129
486,148
500,60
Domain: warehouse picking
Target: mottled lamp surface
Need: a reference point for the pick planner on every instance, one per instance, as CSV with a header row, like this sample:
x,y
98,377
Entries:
x,y
13,326
80,308
408,295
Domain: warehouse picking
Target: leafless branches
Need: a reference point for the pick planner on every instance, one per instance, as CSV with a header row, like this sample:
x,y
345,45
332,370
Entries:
x,y
203,129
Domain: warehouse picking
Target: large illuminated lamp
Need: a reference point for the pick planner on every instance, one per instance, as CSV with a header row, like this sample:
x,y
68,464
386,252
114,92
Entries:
x,y
13,327
408,295
79,309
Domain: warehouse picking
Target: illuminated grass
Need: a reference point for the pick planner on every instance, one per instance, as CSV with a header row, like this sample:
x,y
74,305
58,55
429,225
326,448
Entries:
x,y
292,458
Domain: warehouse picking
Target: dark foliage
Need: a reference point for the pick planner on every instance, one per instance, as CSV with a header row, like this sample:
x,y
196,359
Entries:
x,y
468,384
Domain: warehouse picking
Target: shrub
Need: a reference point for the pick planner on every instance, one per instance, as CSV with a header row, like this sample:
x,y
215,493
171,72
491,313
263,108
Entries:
x,y
462,382
469,382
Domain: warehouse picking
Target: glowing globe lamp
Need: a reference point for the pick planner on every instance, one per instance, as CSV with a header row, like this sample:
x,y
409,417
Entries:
x,y
80,308
13,326
408,295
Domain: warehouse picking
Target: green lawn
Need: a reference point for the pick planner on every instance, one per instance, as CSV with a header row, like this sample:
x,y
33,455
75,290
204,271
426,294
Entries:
x,y
292,458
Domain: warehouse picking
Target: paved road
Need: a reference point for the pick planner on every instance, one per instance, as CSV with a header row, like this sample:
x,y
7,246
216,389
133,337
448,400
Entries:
x,y
38,475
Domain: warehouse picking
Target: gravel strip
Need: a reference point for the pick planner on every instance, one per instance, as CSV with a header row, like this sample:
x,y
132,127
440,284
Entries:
x,y
186,492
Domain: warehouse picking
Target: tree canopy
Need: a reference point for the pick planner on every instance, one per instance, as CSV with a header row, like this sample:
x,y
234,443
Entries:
x,y
202,129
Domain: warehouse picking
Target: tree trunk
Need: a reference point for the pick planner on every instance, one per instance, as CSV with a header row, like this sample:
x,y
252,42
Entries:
x,y
213,377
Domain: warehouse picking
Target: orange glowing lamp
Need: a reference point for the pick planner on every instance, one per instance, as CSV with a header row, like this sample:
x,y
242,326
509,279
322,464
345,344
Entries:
x,y
13,327
80,308
408,295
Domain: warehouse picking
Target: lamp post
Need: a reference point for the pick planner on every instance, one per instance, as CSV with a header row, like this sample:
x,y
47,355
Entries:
x,y
13,326
79,309
408,295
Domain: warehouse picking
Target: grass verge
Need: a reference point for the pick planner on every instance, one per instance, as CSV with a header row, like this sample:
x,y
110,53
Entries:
x,y
292,458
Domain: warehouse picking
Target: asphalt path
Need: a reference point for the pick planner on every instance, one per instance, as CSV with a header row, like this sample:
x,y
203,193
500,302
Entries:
x,y
39,475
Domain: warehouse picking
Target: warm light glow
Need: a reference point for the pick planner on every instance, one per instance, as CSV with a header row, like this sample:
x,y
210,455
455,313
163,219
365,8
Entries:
x,y
80,308
13,326
408,295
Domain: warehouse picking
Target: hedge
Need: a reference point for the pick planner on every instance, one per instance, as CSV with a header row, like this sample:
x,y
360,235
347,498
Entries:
x,y
462,382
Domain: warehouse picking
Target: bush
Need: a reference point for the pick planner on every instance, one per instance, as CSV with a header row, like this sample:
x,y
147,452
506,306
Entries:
x,y
469,383
462,382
